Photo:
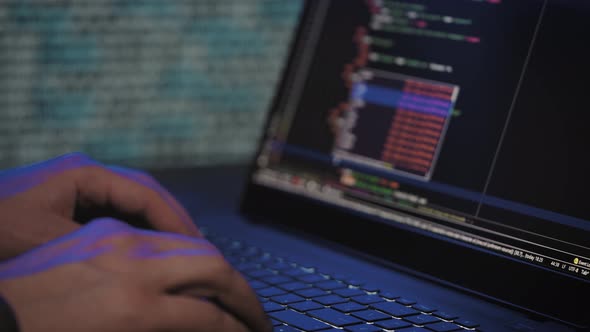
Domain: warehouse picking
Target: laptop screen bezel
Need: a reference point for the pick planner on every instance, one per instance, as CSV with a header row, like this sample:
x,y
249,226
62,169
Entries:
x,y
518,285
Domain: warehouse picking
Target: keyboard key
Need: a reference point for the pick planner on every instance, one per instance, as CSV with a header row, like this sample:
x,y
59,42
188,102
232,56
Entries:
x,y
278,266
275,322
293,286
445,315
349,307
306,306
329,285
404,301
443,327
330,299
284,328
293,272
339,276
393,324
349,292
363,328
325,274
234,260
276,279
255,284
370,315
270,291
466,323
298,320
266,258
422,319
395,309
250,251
235,245
370,288
260,269
388,295
334,317
367,299
347,279
311,292
287,298
271,306
311,278
353,282
258,273
423,308
245,266
308,268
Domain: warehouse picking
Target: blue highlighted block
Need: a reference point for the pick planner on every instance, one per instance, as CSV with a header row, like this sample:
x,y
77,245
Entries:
x,y
395,98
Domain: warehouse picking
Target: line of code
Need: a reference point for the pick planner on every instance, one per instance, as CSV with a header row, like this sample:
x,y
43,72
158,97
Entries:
x,y
416,109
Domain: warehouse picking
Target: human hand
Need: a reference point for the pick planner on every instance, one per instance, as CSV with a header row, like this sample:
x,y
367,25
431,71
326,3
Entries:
x,y
110,277
43,201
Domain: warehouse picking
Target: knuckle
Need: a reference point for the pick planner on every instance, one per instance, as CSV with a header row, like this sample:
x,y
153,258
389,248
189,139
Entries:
x,y
75,163
154,196
221,271
75,156
146,176
222,267
122,240
75,159
132,173
90,173
93,170
130,239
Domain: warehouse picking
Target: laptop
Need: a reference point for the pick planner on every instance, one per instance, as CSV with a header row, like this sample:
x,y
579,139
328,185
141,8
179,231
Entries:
x,y
423,168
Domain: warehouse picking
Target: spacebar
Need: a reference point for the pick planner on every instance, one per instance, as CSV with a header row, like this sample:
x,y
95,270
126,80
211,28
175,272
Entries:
x,y
298,320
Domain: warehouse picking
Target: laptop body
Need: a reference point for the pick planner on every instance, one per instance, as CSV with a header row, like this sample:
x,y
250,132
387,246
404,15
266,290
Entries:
x,y
435,150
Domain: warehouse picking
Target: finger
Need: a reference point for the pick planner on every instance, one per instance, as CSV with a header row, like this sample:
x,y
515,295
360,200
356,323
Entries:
x,y
28,229
212,277
120,234
169,241
164,245
117,235
98,186
182,267
236,296
21,179
148,181
24,178
181,313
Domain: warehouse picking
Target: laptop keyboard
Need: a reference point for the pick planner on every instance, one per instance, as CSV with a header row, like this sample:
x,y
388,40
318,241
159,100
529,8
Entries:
x,y
299,297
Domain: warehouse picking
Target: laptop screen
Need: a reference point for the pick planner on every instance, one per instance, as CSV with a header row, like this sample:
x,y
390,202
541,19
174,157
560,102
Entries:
x,y
462,120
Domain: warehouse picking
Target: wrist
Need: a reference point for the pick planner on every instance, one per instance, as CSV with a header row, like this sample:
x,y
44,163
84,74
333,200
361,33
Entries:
x,y
8,322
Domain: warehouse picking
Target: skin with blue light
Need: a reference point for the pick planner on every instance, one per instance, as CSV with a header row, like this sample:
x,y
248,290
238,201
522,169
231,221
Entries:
x,y
106,275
